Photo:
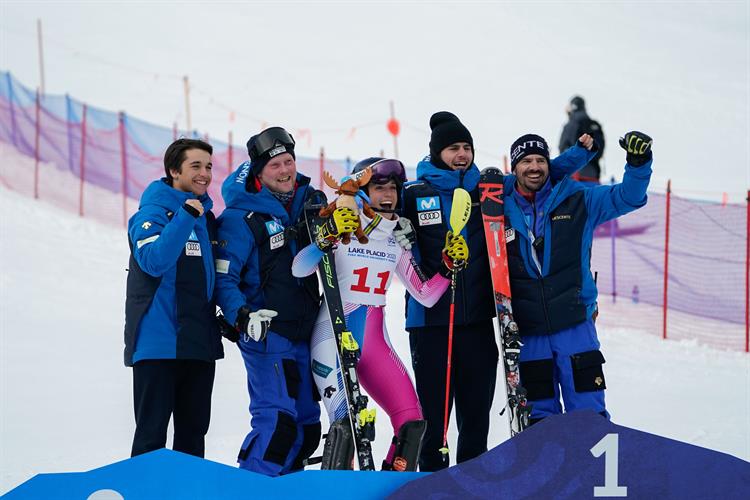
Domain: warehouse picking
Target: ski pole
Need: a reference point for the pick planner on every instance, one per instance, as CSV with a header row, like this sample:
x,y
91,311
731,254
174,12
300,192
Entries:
x,y
444,449
460,213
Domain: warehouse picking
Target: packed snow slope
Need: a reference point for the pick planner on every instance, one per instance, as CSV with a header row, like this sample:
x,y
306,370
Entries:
x,y
66,395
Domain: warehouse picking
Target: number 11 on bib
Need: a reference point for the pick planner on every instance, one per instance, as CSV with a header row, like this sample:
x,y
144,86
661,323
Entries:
x,y
493,218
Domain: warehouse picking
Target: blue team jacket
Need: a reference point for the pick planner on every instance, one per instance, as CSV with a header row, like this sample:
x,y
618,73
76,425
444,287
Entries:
x,y
258,239
552,285
170,312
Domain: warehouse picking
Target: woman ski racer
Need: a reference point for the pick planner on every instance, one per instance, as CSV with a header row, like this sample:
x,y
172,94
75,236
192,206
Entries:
x,y
364,274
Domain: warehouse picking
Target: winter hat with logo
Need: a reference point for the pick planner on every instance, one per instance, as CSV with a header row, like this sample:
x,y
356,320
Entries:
x,y
529,144
446,130
269,143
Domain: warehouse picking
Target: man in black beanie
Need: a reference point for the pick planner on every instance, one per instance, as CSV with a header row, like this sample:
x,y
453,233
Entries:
x,y
427,203
550,221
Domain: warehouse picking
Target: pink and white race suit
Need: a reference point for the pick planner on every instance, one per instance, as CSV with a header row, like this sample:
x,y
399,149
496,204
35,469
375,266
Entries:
x,y
364,275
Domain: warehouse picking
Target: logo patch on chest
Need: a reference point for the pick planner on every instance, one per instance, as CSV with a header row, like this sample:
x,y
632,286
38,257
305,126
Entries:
x,y
510,235
276,232
193,249
428,211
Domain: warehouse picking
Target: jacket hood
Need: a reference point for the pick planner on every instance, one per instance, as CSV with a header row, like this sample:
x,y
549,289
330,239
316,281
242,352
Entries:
x,y
163,195
235,194
445,181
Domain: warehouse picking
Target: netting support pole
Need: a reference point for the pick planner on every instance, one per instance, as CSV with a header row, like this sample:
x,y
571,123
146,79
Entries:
x,y
320,171
69,130
82,169
174,131
230,155
747,276
613,236
666,259
37,133
124,162
12,104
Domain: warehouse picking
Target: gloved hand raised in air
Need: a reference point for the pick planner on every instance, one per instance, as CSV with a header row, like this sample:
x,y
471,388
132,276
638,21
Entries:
x,y
404,233
638,146
342,220
254,325
455,252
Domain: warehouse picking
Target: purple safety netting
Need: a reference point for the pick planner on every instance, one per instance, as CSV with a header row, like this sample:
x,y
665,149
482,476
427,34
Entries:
x,y
707,269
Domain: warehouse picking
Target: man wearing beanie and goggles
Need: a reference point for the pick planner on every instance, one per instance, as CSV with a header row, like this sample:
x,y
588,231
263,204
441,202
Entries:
x,y
427,203
365,273
549,230
260,232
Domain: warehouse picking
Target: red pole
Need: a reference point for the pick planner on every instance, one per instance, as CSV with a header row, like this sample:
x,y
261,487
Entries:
x,y
666,260
230,159
36,145
82,172
747,277
505,164
322,164
124,162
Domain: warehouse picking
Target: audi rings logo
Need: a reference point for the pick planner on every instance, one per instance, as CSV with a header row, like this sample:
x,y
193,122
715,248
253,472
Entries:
x,y
430,218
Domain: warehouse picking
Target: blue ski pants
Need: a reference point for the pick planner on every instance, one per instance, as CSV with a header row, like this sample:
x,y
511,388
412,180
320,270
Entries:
x,y
567,363
285,423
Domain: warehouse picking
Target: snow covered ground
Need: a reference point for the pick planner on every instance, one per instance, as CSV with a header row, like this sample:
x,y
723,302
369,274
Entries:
x,y
66,395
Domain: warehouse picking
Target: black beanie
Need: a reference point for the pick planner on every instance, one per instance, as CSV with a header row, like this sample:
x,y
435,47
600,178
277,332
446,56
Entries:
x,y
577,103
529,144
447,129
257,164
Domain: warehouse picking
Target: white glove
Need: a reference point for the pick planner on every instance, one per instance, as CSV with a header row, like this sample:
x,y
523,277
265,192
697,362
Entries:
x,y
258,323
405,234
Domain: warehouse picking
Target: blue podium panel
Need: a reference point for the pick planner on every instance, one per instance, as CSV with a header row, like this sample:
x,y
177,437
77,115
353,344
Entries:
x,y
575,455
583,455
166,474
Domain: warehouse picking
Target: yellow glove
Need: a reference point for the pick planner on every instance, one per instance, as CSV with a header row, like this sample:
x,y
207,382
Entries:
x,y
455,252
342,220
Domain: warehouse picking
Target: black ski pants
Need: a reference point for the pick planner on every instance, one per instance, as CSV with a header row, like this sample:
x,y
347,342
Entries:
x,y
163,388
473,376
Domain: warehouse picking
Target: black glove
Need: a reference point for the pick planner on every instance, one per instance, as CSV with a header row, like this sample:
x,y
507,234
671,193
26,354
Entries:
x,y
638,146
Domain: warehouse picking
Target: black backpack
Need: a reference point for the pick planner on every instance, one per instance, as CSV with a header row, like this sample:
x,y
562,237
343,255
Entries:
x,y
594,129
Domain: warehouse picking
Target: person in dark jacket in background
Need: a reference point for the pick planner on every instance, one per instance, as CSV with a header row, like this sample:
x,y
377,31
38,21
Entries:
x,y
427,204
260,232
580,123
171,336
549,230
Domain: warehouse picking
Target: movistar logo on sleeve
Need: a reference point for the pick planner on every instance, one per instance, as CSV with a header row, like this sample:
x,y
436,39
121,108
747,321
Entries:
x,y
428,203
273,227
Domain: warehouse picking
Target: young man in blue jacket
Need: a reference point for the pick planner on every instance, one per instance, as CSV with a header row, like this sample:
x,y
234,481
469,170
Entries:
x,y
549,230
171,337
260,232
427,204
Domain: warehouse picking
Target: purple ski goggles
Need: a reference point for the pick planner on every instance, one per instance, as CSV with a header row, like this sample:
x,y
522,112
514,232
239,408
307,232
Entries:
x,y
386,170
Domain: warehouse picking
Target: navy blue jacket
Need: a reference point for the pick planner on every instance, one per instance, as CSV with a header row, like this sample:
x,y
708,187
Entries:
x,y
258,239
170,312
428,200
552,287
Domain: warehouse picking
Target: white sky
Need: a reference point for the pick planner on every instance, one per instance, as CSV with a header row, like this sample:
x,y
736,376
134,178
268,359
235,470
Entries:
x,y
676,70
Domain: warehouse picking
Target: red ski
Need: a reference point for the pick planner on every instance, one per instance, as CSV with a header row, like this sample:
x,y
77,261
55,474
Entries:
x,y
493,217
